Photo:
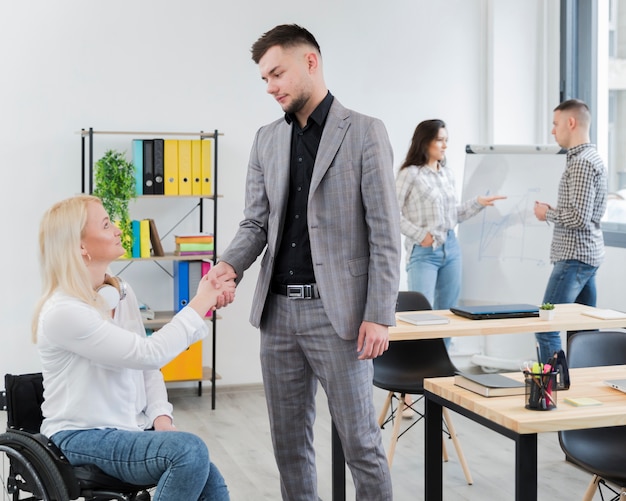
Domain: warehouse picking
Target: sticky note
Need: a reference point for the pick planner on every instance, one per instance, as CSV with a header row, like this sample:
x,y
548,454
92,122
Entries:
x,y
582,401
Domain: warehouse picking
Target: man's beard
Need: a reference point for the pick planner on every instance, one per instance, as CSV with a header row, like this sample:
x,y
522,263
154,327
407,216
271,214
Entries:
x,y
296,105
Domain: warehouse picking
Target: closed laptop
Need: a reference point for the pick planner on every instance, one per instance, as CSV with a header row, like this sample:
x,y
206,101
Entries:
x,y
483,312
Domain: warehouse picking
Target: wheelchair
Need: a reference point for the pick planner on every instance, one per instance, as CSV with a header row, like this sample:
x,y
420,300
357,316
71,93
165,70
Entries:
x,y
32,467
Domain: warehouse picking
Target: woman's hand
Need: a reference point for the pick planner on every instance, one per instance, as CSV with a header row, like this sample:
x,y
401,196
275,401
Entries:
x,y
485,201
163,423
428,240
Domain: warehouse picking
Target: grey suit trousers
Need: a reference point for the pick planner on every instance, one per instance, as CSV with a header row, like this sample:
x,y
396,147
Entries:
x,y
299,347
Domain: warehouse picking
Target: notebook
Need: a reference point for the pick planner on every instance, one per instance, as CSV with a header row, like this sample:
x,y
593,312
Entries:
x,y
483,312
490,385
604,314
618,384
422,318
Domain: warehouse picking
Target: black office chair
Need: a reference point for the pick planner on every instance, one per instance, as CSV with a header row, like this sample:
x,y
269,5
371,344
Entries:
x,y
402,369
600,451
36,466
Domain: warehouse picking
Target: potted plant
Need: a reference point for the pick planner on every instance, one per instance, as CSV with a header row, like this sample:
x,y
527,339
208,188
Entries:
x,y
115,186
546,311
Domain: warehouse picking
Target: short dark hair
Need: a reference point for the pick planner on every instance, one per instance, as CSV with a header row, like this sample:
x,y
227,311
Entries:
x,y
285,35
580,109
424,134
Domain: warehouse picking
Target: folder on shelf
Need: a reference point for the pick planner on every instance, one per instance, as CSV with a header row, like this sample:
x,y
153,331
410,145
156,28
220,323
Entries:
x,y
184,167
206,267
196,167
207,168
185,367
148,167
158,167
138,163
181,284
170,167
136,247
144,238
155,240
195,275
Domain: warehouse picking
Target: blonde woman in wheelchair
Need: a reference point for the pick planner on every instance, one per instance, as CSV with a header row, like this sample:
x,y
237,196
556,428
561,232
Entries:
x,y
103,390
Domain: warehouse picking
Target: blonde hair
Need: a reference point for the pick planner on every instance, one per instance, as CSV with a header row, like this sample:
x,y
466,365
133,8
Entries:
x,y
62,265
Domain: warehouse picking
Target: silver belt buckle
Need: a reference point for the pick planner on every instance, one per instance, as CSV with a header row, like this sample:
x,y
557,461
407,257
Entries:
x,y
296,291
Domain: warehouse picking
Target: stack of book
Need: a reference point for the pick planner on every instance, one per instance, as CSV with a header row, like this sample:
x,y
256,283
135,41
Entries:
x,y
490,385
197,244
146,241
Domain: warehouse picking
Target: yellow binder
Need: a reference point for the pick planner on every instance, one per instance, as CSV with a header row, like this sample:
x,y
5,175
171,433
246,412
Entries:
x,y
207,167
170,167
184,167
196,166
144,238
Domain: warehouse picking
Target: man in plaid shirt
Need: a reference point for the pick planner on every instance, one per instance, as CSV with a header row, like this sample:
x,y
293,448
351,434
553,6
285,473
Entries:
x,y
577,242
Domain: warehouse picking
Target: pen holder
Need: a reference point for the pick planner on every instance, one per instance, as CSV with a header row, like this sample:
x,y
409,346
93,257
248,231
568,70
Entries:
x,y
541,390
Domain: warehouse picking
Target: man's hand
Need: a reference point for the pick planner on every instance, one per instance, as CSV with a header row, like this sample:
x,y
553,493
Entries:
x,y
541,209
373,340
222,268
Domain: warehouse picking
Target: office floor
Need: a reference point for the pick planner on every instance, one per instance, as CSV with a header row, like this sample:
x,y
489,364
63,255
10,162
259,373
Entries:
x,y
237,434
238,437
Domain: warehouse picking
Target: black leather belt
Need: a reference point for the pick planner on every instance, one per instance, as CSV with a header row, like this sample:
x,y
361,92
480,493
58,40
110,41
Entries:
x,y
296,291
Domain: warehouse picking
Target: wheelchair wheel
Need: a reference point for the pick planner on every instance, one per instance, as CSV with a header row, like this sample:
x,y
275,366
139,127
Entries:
x,y
27,472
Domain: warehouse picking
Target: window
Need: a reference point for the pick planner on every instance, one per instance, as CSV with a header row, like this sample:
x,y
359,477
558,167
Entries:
x,y
593,68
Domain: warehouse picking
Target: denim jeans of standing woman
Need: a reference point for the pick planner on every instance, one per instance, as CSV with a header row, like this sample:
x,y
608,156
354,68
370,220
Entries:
x,y
178,462
436,273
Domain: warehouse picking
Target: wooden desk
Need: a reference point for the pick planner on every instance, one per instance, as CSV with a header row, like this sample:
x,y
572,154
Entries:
x,y
509,417
567,317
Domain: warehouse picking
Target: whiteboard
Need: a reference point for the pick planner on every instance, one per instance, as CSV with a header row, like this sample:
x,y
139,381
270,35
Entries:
x,y
505,249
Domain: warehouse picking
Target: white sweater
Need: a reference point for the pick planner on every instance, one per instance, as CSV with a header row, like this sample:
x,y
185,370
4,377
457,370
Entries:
x,y
101,373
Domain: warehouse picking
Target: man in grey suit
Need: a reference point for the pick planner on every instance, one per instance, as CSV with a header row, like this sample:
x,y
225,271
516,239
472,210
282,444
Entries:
x,y
320,199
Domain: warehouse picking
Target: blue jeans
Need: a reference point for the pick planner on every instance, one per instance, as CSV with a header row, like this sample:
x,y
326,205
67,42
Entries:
x,y
436,273
571,281
178,462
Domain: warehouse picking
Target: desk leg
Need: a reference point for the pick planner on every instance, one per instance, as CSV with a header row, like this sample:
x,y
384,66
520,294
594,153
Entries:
x,y
433,475
526,468
338,467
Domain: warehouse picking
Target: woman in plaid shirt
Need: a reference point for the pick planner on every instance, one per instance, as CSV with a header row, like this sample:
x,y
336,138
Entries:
x,y
429,214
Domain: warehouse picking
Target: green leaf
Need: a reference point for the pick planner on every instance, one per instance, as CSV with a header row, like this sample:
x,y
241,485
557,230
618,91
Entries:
x,y
114,179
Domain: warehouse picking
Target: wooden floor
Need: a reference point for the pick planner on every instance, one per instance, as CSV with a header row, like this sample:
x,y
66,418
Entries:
x,y
238,437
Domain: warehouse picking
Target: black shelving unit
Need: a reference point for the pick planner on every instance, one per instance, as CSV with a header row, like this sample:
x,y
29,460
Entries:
x,y
87,176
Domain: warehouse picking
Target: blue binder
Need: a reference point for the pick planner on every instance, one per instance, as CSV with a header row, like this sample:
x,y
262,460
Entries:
x,y
138,163
181,284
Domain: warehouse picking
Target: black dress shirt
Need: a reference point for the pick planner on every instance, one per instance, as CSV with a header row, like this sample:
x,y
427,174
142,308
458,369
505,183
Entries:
x,y
294,264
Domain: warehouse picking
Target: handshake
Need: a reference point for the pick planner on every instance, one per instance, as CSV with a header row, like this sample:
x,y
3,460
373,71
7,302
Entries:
x,y
215,290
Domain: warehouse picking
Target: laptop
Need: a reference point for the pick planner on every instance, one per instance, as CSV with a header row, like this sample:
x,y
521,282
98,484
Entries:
x,y
618,384
483,312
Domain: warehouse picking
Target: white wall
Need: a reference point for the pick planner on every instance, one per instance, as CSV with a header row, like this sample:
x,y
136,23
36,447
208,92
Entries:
x,y
185,66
